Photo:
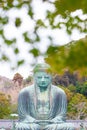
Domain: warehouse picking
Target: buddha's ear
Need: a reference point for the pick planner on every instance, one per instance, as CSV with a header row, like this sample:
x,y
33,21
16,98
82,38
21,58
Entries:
x,y
51,78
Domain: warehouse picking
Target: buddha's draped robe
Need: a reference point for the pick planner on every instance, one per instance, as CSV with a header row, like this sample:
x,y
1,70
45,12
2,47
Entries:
x,y
28,119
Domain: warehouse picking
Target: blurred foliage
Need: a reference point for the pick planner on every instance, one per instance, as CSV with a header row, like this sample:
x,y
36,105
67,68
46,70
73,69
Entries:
x,y
72,88
13,108
77,107
69,94
82,88
35,52
4,105
77,104
20,62
70,57
17,22
61,17
28,81
70,5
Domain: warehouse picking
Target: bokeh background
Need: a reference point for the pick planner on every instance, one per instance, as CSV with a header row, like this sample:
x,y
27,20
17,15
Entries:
x,y
51,31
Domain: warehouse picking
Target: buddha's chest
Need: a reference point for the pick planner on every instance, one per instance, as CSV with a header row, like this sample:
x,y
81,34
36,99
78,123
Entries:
x,y
42,105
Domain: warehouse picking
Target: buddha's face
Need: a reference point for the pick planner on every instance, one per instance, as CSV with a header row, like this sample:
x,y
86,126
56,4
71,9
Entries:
x,y
42,79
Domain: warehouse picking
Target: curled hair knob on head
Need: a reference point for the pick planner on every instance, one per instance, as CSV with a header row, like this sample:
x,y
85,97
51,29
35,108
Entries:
x,y
42,67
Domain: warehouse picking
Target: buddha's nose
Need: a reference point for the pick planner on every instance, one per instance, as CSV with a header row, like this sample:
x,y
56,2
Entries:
x,y
43,78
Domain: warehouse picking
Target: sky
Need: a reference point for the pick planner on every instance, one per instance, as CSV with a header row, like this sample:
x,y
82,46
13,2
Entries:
x,y
11,31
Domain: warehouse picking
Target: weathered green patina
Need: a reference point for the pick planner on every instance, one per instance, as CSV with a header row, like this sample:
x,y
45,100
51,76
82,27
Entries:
x,y
42,105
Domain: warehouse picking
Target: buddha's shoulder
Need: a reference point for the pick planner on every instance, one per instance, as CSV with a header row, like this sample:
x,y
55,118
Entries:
x,y
57,89
27,89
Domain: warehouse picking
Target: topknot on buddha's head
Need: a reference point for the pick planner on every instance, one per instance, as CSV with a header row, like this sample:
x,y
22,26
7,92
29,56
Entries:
x,y
42,67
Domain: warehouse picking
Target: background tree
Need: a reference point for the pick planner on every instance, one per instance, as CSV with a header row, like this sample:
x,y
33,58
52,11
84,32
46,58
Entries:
x,y
18,79
69,94
28,81
69,57
77,107
82,88
4,106
72,88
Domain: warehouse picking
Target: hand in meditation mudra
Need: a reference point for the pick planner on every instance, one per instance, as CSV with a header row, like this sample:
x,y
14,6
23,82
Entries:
x,y
42,106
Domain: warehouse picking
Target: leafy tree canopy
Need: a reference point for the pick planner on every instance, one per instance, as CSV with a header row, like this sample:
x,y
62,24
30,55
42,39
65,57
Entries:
x,y
57,15
71,56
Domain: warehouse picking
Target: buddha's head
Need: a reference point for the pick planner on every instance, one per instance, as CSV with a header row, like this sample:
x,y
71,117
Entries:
x,y
42,76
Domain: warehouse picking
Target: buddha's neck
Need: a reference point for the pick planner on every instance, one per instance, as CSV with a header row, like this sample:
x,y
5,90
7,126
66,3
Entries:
x,y
43,90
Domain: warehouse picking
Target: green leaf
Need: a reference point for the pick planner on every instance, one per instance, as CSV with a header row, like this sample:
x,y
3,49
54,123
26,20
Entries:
x,y
30,12
35,52
10,42
20,62
40,23
5,20
16,50
26,38
5,58
10,3
1,32
52,49
18,22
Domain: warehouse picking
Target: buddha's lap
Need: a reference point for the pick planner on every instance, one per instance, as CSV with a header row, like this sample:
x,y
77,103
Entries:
x,y
34,126
27,126
61,126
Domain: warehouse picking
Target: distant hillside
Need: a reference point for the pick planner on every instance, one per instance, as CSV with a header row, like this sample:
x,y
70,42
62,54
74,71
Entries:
x,y
13,86
8,87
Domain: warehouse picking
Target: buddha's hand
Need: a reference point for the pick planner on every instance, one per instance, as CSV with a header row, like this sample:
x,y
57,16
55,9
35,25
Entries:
x,y
57,120
36,121
29,119
43,121
34,126
50,127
